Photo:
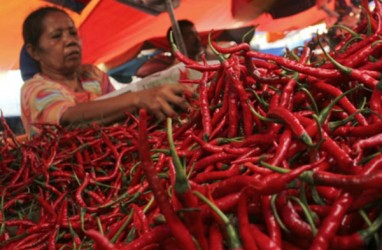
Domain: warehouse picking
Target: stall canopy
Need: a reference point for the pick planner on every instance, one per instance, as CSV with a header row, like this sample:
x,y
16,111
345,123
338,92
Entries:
x,y
114,32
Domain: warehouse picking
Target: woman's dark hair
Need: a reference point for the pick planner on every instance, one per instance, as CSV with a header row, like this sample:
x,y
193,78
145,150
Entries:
x,y
32,26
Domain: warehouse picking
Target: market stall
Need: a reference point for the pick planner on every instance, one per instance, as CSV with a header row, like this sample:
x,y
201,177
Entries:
x,y
275,152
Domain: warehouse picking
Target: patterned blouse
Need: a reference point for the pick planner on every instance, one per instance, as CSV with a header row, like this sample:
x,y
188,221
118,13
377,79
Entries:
x,y
44,100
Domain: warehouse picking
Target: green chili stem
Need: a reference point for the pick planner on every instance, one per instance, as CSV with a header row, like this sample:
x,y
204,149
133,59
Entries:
x,y
364,160
335,124
314,104
325,111
262,118
276,214
369,223
347,44
341,67
316,197
250,33
99,224
307,214
258,98
122,227
73,233
148,205
372,230
120,198
82,218
234,239
303,195
352,32
274,168
181,182
319,131
219,55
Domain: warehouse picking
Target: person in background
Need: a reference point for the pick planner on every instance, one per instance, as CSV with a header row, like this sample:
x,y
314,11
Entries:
x,y
332,15
191,39
65,91
165,60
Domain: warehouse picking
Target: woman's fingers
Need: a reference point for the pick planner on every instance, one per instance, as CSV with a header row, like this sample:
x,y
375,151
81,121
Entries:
x,y
162,101
166,108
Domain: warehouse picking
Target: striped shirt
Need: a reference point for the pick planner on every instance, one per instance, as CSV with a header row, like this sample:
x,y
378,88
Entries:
x,y
43,100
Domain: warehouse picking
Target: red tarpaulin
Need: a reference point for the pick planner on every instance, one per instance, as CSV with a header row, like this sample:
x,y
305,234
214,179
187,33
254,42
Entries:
x,y
113,32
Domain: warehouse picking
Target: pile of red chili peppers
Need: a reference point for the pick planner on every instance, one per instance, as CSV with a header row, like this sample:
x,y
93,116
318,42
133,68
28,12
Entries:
x,y
276,153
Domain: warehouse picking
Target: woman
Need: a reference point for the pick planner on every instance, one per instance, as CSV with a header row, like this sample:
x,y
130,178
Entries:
x,y
64,91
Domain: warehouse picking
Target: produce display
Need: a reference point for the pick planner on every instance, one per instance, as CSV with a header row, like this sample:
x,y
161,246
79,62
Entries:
x,y
275,152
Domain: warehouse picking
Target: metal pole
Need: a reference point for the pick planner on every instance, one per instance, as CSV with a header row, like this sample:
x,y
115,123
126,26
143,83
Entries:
x,y
175,28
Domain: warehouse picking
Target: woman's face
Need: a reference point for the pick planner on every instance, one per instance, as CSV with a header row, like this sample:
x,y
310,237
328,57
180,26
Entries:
x,y
59,49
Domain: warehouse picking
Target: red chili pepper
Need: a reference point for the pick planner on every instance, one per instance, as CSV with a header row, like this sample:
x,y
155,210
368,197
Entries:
x,y
256,140
204,106
344,101
289,246
233,239
376,102
244,225
292,220
362,56
206,177
113,230
217,117
297,66
247,117
256,169
52,238
178,229
45,204
355,49
233,74
189,62
345,162
273,229
215,238
31,241
331,223
192,218
353,72
293,123
100,241
100,200
269,184
328,193
262,239
212,159
346,182
359,131
233,113
80,189
364,198
232,49
282,148
371,142
156,235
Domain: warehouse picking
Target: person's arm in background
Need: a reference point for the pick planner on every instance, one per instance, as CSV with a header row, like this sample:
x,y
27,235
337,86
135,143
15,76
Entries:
x,y
247,10
323,5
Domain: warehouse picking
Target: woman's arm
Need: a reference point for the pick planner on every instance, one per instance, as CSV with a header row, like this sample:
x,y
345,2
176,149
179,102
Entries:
x,y
159,101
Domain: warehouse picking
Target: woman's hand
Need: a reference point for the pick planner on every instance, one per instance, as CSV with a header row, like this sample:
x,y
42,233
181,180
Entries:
x,y
162,101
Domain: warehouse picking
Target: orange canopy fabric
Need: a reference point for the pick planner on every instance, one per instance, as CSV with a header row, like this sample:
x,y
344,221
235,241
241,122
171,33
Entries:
x,y
113,32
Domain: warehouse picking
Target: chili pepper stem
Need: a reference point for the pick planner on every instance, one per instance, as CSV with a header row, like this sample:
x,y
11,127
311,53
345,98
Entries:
x,y
234,239
181,181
